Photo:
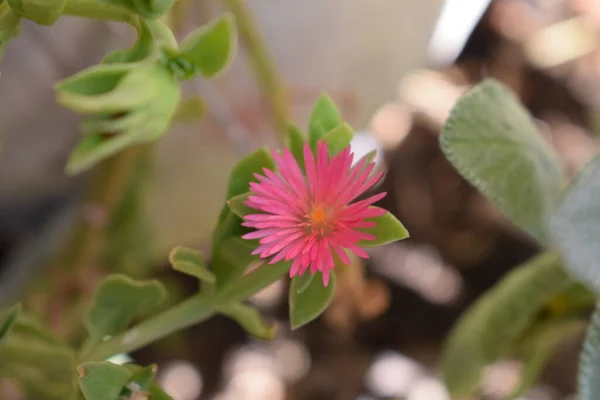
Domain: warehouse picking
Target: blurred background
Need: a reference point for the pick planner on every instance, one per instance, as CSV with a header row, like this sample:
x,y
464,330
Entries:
x,y
395,68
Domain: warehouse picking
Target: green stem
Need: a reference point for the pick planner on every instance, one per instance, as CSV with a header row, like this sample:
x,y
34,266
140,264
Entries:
x,y
95,9
262,63
189,312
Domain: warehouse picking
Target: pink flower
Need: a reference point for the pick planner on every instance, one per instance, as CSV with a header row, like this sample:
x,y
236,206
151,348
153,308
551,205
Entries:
x,y
308,218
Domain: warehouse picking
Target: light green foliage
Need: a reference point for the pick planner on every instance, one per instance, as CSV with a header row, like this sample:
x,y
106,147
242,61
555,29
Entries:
x,y
308,303
324,117
338,138
29,352
493,142
210,48
489,330
102,380
294,140
43,12
118,300
150,9
387,230
191,262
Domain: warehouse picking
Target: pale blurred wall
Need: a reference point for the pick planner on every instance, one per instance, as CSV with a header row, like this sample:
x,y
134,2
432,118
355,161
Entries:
x,y
356,49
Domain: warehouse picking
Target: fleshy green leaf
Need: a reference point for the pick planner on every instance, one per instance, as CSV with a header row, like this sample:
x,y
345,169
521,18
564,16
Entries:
x,y
259,278
324,117
42,363
302,282
157,393
493,142
190,110
243,172
143,48
294,140
491,327
338,138
231,259
191,262
141,377
540,346
7,321
102,380
387,230
250,319
588,381
311,302
576,227
118,300
211,47
237,206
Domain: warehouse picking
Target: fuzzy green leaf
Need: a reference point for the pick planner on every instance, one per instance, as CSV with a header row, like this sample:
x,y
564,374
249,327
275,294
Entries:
x,y
118,300
493,142
211,47
307,305
102,380
576,227
325,117
191,262
387,230
491,327
141,377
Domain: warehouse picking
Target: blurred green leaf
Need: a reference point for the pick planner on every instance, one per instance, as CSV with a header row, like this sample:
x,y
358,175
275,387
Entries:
x,y
576,227
493,142
338,138
294,140
142,49
128,106
231,259
211,47
243,172
539,347
150,9
42,12
7,321
490,328
141,377
118,300
307,305
157,393
190,110
324,117
42,363
588,379
387,230
102,380
129,235
250,319
238,207
191,262
251,282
